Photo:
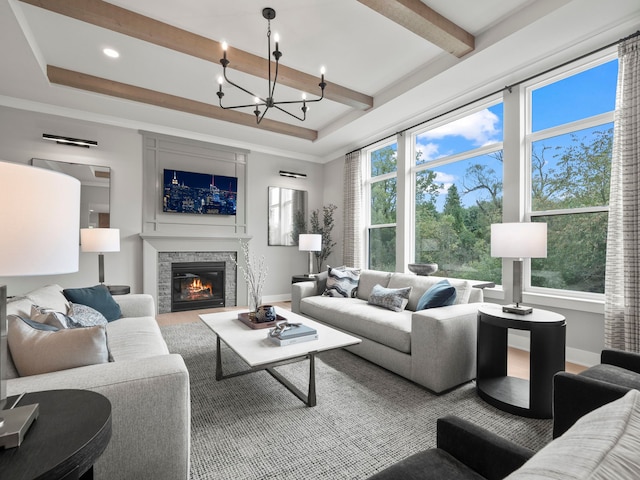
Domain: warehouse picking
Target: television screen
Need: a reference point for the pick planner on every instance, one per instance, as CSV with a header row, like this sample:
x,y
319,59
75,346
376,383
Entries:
x,y
199,193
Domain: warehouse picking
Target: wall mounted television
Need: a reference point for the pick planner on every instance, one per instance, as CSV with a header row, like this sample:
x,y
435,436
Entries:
x,y
199,193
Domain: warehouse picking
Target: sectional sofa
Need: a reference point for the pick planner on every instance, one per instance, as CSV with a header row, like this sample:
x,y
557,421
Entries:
x,y
435,348
147,386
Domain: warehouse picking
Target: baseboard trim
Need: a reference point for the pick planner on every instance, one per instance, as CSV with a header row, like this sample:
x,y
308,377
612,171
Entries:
x,y
285,297
573,355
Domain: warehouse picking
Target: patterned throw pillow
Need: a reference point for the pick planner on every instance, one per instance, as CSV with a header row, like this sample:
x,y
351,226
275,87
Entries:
x,y
85,316
342,282
395,299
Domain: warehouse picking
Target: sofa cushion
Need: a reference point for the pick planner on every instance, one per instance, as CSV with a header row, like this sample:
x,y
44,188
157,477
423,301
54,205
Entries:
x,y
613,374
394,299
369,279
602,445
135,338
362,320
49,296
37,351
342,282
439,295
97,297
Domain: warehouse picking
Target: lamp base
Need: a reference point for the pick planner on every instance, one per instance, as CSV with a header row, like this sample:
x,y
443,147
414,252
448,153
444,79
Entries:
x,y
16,423
517,309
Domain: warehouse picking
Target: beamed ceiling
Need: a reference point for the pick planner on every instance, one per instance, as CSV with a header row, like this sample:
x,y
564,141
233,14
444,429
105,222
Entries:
x,y
390,63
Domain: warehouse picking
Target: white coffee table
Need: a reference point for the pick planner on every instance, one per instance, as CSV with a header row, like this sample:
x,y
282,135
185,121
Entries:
x,y
260,353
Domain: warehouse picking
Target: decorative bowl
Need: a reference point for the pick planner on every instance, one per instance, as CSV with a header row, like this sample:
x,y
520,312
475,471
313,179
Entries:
x,y
423,268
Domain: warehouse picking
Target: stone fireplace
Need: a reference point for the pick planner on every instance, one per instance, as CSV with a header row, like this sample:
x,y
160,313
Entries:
x,y
164,256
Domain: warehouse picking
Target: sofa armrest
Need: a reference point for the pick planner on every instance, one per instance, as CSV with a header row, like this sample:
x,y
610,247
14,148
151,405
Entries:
x,y
150,401
443,346
483,451
136,305
301,290
619,358
575,395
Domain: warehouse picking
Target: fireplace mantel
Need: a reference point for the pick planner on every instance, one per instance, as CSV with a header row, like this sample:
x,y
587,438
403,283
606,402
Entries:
x,y
150,236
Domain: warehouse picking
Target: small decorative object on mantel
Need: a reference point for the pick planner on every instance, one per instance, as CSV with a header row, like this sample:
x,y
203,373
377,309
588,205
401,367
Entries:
x,y
423,269
255,274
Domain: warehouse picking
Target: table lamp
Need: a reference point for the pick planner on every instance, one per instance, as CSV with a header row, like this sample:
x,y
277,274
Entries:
x,y
518,240
40,214
100,240
310,242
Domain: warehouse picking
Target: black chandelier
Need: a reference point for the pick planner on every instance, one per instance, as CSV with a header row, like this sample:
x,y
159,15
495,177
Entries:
x,y
268,101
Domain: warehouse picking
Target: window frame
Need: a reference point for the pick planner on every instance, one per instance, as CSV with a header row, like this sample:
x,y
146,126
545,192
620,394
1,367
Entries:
x,y
368,183
531,137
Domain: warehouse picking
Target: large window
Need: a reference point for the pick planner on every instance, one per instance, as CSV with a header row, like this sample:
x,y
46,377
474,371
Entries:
x,y
458,194
451,181
382,192
569,149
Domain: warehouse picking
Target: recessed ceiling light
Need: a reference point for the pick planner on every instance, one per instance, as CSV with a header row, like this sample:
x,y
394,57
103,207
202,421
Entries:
x,y
110,52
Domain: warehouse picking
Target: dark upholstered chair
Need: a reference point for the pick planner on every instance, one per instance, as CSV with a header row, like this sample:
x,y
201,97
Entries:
x,y
576,395
464,451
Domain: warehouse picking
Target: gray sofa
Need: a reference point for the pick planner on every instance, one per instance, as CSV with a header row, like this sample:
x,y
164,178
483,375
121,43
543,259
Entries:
x,y
148,388
435,348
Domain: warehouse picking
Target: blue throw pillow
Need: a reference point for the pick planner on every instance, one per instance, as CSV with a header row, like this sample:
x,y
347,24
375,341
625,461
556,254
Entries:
x,y
439,295
98,298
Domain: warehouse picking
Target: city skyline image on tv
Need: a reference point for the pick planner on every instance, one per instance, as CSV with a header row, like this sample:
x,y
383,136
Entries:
x,y
199,193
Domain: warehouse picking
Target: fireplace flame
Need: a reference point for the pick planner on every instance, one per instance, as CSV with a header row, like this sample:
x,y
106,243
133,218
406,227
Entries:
x,y
196,290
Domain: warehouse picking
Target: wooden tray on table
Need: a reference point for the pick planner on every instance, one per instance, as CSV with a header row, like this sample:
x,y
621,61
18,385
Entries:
x,y
247,319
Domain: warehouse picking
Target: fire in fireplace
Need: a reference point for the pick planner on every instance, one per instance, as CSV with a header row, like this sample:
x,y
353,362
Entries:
x,y
197,285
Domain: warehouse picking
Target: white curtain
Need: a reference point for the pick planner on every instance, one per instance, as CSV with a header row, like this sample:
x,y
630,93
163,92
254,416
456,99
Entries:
x,y
352,248
622,283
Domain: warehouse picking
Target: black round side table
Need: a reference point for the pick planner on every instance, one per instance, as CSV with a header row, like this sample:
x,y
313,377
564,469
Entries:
x,y
71,432
529,398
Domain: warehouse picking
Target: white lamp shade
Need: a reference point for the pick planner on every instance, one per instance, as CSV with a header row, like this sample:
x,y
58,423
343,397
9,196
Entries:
x,y
310,242
519,240
100,240
40,215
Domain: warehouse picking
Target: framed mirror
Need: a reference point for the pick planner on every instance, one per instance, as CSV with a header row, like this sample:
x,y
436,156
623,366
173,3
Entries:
x,y
287,215
95,190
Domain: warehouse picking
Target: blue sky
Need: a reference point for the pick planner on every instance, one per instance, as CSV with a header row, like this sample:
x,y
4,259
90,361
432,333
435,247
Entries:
x,y
580,96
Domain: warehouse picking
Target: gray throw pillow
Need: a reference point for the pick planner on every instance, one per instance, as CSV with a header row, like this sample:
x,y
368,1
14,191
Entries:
x,y
37,351
394,299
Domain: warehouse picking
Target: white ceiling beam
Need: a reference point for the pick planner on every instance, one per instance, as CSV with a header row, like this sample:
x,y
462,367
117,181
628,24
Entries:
x,y
425,22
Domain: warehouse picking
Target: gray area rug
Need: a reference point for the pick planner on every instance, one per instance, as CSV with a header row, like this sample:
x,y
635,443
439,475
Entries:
x,y
251,427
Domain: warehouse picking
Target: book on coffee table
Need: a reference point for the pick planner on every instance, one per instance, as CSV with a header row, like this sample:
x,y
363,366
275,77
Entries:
x,y
297,334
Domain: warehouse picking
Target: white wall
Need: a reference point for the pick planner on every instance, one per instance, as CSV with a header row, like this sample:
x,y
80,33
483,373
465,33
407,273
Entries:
x,y
282,262
121,150
118,148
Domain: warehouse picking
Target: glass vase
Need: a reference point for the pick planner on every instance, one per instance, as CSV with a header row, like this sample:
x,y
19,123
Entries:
x,y
255,300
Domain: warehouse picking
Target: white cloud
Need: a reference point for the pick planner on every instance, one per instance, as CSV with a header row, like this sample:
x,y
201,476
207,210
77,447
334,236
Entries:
x,y
479,128
446,180
430,151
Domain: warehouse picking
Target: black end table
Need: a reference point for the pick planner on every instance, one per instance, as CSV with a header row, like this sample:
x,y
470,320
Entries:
x,y
119,289
72,431
303,278
528,398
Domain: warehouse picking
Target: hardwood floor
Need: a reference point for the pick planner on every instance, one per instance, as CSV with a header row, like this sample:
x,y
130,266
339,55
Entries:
x,y
517,360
